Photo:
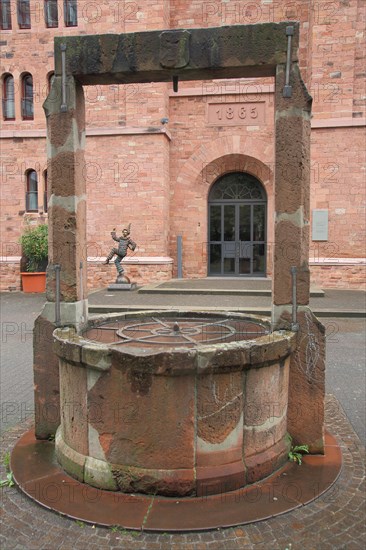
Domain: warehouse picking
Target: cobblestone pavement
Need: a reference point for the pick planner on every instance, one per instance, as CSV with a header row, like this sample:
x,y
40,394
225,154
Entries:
x,y
335,521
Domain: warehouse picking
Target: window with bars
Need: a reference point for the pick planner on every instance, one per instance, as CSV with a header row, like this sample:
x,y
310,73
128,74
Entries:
x,y
5,15
23,10
31,196
8,97
27,97
51,13
71,13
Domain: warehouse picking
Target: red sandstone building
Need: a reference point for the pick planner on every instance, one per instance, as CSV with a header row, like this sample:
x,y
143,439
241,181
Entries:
x,y
196,163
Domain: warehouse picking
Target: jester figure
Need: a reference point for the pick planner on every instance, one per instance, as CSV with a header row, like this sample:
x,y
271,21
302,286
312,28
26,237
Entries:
x,y
124,244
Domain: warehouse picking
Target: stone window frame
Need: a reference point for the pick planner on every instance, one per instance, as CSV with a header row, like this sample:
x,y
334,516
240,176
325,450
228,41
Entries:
x,y
70,13
50,77
8,101
50,8
27,101
45,191
23,14
31,194
5,15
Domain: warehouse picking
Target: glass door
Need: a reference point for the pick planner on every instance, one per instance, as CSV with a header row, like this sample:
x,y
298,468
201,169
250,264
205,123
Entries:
x,y
237,245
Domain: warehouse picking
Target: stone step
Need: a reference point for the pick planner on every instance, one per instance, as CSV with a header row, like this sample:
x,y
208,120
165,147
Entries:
x,y
211,286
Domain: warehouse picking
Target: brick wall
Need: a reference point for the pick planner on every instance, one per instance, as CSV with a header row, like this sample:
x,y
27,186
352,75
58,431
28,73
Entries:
x,y
158,177
339,276
10,276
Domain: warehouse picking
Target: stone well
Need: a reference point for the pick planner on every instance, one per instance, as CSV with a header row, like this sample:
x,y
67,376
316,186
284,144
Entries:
x,y
173,403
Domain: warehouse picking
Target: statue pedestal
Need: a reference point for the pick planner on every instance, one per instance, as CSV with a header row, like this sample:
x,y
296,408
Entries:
x,y
122,286
122,283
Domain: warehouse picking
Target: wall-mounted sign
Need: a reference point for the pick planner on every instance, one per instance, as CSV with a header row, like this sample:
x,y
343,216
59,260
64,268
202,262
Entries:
x,y
320,225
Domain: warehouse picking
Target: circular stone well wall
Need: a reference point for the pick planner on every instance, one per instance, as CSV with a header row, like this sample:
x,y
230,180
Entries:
x,y
173,403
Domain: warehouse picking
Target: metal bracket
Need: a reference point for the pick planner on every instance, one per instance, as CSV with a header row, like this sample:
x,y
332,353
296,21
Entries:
x,y
63,78
287,89
57,269
175,83
294,324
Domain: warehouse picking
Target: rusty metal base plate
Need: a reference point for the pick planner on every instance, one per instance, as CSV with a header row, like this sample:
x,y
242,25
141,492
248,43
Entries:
x,y
39,476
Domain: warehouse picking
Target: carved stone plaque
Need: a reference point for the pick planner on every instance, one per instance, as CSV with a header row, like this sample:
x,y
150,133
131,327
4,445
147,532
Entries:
x,y
226,114
174,49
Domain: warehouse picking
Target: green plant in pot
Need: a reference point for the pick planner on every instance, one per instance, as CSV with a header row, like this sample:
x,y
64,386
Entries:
x,y
34,242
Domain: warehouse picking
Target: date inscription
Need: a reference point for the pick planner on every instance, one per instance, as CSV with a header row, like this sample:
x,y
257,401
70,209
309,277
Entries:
x,y
234,114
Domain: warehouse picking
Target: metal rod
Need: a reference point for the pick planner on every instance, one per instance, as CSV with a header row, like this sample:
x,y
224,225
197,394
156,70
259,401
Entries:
x,y
63,78
295,325
287,90
81,282
175,83
58,296
180,256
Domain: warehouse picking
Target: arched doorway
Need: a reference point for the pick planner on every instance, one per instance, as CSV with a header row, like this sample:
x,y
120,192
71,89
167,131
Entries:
x,y
237,226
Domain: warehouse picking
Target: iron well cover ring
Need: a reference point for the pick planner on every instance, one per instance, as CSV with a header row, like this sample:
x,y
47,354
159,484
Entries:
x,y
176,331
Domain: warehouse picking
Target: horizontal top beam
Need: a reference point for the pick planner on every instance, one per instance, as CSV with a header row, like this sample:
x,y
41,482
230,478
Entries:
x,y
191,54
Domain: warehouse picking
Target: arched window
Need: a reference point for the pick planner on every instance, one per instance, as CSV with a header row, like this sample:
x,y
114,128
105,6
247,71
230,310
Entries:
x,y
24,20
45,191
5,15
8,97
31,196
27,97
51,13
71,13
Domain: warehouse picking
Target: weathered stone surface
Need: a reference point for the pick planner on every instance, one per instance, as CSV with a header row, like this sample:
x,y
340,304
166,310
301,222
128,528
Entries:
x,y
292,186
66,179
156,418
225,357
307,384
96,356
149,418
46,380
261,465
67,345
67,172
266,395
225,52
176,482
72,461
259,438
272,348
73,393
159,363
213,480
219,406
68,250
98,474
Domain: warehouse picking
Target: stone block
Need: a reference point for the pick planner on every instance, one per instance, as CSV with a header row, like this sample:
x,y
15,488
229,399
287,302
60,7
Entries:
x,y
98,474
72,461
46,380
150,418
73,394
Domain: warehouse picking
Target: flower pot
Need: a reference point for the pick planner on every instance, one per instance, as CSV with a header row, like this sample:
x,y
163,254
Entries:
x,y
34,282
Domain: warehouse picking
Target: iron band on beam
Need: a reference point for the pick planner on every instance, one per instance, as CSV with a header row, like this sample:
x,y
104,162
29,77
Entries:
x,y
63,78
287,89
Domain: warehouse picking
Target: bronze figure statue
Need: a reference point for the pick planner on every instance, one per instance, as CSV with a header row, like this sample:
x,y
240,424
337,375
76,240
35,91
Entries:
x,y
124,243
